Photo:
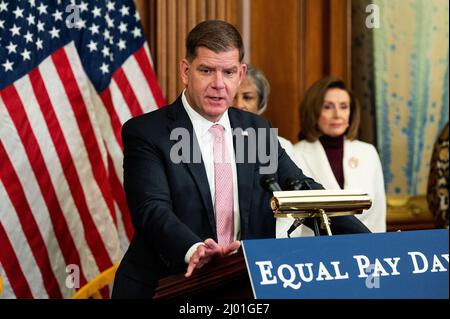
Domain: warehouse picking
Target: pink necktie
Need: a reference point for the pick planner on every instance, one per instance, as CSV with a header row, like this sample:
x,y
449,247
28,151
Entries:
x,y
223,198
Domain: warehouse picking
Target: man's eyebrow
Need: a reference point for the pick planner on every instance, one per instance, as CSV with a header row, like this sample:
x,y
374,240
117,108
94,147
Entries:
x,y
204,66
231,68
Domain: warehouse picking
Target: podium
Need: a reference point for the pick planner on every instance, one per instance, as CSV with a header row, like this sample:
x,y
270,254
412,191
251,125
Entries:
x,y
396,265
405,265
222,278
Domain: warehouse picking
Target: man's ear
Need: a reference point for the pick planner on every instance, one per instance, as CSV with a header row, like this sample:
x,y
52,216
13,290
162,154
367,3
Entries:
x,y
184,71
243,73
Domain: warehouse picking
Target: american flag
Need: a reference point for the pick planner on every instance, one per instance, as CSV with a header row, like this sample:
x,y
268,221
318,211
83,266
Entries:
x,y
71,73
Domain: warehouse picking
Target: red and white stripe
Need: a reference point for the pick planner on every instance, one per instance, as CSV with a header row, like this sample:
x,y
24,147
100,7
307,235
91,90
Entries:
x,y
61,195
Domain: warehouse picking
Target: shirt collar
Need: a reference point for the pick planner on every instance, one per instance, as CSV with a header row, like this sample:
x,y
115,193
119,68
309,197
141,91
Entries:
x,y
200,124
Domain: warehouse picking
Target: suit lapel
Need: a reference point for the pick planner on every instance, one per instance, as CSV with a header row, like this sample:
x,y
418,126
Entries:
x,y
178,118
245,171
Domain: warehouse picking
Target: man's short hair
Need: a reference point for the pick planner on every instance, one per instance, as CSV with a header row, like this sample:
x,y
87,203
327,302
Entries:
x,y
215,35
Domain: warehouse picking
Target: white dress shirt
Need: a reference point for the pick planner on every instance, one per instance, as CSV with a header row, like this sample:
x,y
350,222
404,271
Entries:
x,y
205,140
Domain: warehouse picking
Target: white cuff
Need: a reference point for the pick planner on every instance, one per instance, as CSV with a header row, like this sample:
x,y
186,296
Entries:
x,y
190,252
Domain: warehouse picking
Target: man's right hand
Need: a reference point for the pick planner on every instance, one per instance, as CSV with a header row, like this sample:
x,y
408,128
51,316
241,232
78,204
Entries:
x,y
207,251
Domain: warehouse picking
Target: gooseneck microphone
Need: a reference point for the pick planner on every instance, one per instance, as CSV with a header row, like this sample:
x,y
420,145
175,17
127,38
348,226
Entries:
x,y
295,184
269,183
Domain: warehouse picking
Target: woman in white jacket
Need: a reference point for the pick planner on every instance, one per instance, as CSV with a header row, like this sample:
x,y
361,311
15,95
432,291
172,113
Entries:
x,y
329,152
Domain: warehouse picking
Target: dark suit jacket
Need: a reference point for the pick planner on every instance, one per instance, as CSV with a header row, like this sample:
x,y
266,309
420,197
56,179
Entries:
x,y
170,203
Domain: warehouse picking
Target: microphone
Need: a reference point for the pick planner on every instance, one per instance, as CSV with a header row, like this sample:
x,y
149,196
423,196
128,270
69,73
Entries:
x,y
294,184
269,183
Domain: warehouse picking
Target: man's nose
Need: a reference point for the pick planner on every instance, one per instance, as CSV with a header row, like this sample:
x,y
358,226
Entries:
x,y
218,82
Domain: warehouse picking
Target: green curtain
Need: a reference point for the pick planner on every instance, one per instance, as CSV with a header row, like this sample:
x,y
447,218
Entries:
x,y
411,88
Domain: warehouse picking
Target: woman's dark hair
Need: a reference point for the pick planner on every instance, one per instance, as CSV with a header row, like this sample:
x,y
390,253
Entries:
x,y
311,108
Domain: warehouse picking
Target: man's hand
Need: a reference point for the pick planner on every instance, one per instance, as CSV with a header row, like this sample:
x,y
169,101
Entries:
x,y
207,251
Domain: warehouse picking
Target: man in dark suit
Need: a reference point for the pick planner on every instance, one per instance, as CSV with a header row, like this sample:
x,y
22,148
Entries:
x,y
186,205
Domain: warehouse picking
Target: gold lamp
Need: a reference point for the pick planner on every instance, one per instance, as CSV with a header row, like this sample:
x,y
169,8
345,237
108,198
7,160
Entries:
x,y
301,204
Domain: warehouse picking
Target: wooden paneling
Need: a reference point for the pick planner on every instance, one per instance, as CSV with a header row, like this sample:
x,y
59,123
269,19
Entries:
x,y
275,51
313,37
340,40
162,46
327,39
304,41
221,9
201,10
182,30
234,13
172,45
191,13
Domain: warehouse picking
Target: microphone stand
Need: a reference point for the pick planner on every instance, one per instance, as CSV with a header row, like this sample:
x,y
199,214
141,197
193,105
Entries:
x,y
295,184
325,222
316,227
297,223
269,183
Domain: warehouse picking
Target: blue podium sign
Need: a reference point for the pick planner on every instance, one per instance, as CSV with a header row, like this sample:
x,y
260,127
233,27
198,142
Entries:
x,y
412,264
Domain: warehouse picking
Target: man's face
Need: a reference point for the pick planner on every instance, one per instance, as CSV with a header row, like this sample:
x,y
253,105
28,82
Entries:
x,y
212,80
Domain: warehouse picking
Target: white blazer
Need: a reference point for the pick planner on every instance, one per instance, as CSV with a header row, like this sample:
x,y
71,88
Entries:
x,y
287,145
362,171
